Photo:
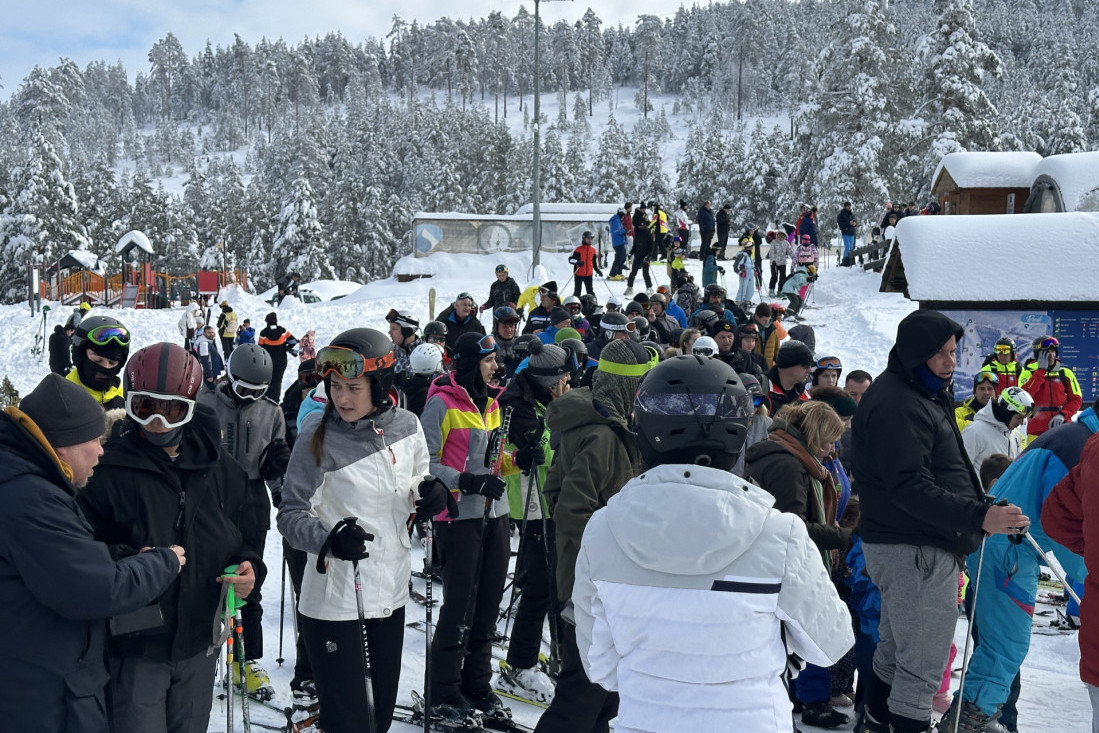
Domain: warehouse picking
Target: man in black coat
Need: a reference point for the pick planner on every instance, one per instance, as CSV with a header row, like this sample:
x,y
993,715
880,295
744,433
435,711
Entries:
x,y
61,341
164,478
58,585
722,222
922,507
460,318
707,227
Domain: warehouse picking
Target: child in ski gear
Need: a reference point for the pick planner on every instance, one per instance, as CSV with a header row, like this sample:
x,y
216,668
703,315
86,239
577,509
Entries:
x,y
779,253
745,270
100,346
504,291
583,261
52,629
649,605
365,458
164,479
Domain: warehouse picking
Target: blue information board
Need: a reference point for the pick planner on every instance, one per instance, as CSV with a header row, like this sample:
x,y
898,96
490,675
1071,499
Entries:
x,y
1077,330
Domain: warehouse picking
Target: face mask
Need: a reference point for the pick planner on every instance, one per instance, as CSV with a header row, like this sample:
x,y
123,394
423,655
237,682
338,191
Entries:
x,y
164,440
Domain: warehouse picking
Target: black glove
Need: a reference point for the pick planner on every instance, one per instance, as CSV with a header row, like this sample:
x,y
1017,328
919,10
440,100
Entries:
x,y
812,278
350,543
491,487
274,459
276,496
435,497
532,455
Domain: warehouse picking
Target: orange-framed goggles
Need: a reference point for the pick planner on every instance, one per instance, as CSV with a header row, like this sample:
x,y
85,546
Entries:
x,y
349,364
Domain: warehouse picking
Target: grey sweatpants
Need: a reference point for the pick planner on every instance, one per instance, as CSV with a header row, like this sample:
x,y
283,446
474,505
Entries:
x,y
1093,693
149,696
919,610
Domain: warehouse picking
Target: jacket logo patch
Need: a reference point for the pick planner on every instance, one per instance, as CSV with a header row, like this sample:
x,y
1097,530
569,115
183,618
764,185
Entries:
x,y
740,586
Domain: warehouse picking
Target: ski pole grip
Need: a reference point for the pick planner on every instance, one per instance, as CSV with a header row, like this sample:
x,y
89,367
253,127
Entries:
x,y
1018,537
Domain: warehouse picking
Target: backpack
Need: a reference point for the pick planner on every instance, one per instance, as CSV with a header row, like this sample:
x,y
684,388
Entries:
x,y
687,296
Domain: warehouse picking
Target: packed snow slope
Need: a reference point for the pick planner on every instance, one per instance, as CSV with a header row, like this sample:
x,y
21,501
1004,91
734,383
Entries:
x,y
851,318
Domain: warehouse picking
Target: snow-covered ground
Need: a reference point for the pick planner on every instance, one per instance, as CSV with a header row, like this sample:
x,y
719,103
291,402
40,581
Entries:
x,y
852,319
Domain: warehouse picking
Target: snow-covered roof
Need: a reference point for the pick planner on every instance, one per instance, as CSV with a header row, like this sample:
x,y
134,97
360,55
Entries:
x,y
137,238
86,259
957,258
586,209
1077,175
989,170
546,216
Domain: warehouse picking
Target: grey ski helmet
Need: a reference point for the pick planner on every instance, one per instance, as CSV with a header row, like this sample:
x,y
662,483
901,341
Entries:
x,y
249,371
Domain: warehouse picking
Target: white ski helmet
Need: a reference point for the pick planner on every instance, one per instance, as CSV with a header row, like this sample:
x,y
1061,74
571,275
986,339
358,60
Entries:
x,y
1018,400
704,346
426,359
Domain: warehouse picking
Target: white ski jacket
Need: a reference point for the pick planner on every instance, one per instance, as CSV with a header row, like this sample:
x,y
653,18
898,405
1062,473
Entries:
x,y
684,583
986,435
370,470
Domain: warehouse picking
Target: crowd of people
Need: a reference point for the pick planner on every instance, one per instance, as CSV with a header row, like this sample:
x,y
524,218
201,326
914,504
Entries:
x,y
720,526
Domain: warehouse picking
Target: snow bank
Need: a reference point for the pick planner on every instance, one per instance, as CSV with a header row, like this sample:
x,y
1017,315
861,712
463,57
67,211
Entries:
x,y
963,258
989,170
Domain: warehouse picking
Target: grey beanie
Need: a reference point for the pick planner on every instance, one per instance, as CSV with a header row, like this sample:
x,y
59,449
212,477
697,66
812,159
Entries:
x,y
547,364
64,412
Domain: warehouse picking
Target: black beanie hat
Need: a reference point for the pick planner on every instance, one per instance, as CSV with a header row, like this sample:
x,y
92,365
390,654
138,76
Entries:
x,y
558,314
793,353
64,412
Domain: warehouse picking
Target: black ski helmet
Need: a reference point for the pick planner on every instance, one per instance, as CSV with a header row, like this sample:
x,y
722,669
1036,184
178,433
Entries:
x,y
578,357
249,370
690,409
376,348
435,328
108,338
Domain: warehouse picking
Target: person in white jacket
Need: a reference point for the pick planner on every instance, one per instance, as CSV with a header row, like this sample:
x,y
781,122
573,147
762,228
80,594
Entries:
x,y
996,426
691,590
362,459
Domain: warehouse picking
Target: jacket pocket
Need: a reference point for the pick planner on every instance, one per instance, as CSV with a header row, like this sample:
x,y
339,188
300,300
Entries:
x,y
85,698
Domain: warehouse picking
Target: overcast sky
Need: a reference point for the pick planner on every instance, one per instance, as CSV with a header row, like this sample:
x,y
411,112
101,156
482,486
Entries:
x,y
39,34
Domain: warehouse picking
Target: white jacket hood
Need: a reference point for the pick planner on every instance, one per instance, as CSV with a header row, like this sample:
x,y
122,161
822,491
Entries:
x,y
734,514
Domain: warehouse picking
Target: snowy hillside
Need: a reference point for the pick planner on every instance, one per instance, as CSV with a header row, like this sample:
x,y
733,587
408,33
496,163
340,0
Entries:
x,y
853,320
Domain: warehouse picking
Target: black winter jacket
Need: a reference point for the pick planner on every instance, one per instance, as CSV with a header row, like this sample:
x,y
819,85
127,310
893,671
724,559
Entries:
x,y
455,328
916,483
58,585
139,497
503,293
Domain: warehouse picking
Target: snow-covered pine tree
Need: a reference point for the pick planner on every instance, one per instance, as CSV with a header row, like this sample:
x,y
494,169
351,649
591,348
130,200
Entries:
x,y
300,240
610,173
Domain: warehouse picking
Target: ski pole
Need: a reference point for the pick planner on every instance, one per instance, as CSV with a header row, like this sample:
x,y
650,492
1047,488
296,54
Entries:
x,y
372,724
551,575
429,569
1060,576
520,555
282,611
969,635
238,630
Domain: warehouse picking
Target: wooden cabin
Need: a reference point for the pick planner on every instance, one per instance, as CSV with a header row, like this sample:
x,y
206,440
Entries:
x,y
984,183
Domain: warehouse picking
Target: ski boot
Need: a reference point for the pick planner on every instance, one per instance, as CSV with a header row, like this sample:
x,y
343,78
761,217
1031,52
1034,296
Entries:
x,y
303,690
972,720
257,682
453,716
822,715
628,291
304,718
494,714
870,725
527,684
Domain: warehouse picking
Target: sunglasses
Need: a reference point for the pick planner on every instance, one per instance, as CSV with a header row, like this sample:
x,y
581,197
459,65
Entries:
x,y
989,377
344,362
1004,349
829,362
434,339
103,335
172,410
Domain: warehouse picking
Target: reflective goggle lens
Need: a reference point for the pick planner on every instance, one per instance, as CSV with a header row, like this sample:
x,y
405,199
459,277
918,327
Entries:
x,y
989,377
103,335
340,361
829,362
703,351
145,406
434,339
1050,343
486,345
719,406
248,391
1003,349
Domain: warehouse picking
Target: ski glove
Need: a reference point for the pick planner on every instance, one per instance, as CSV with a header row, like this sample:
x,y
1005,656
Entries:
x,y
1047,359
491,487
274,459
529,457
1058,419
349,543
435,497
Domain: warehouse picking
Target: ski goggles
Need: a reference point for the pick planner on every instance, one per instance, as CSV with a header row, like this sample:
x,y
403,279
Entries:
x,y
486,345
989,377
1004,349
464,296
703,350
717,406
394,316
103,335
349,364
247,391
435,339
829,362
172,410
1049,343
